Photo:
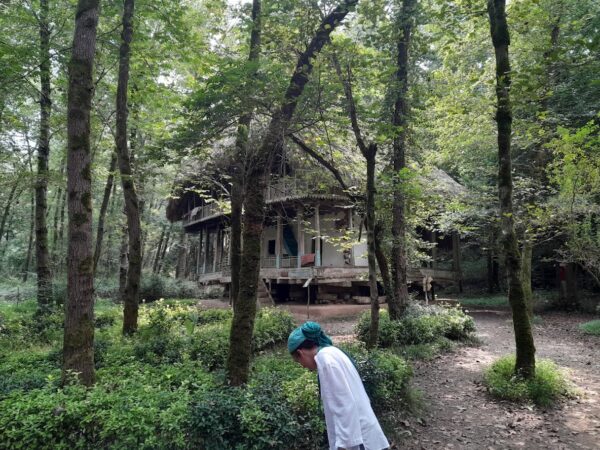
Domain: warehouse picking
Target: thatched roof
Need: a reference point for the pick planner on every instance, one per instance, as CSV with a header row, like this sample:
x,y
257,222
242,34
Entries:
x,y
439,182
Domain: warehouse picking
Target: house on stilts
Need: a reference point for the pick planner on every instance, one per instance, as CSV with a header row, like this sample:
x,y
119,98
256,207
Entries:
x,y
312,248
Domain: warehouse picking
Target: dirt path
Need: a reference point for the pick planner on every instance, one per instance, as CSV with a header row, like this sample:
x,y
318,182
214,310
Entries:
x,y
460,414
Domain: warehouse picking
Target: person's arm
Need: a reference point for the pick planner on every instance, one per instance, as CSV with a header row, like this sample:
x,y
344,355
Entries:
x,y
338,396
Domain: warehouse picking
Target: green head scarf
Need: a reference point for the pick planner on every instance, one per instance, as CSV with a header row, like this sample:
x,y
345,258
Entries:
x,y
311,331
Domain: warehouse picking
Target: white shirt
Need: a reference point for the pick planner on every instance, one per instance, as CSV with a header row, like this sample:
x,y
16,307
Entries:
x,y
349,417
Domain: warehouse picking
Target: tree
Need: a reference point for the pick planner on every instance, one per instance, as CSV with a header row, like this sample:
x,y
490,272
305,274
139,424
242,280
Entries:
x,y
369,152
399,299
78,344
239,169
240,341
132,208
42,253
525,361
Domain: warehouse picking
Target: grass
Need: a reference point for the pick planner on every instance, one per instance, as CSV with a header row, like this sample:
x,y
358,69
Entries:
x,y
426,351
548,386
592,327
496,301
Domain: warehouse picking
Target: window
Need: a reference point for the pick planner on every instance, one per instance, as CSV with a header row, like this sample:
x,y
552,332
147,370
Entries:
x,y
271,247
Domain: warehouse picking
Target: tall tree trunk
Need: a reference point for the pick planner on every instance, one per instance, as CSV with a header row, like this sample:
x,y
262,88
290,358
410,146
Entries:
x,y
526,255
182,257
374,328
240,347
6,210
123,263
158,249
42,253
103,208
60,261
164,250
239,169
399,120
27,262
132,207
525,362
382,261
491,262
58,207
78,346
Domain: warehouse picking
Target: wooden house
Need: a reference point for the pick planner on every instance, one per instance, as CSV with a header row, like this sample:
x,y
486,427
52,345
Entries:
x,y
312,245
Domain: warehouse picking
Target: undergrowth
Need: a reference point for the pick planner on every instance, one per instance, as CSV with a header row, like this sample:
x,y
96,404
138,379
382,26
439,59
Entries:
x,y
164,388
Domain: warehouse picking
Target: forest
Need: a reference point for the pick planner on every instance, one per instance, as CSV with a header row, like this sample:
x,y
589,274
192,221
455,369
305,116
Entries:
x,y
183,183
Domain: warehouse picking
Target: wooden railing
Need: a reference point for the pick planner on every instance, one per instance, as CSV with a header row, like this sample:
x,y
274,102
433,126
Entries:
x,y
293,187
285,262
202,212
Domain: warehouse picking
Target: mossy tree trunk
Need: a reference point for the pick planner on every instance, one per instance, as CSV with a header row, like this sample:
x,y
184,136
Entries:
x,y
78,344
42,252
526,257
238,179
132,206
399,301
370,156
525,361
240,341
382,261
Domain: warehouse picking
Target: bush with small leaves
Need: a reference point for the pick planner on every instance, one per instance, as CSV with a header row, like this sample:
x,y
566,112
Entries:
x,y
419,325
384,374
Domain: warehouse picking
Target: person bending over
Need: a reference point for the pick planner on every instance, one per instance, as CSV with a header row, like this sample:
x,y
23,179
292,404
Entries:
x,y
349,418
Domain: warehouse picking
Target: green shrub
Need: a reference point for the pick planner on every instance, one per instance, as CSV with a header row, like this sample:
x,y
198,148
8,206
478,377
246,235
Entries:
x,y
214,315
214,419
26,370
384,374
274,411
548,385
420,324
272,326
106,319
273,417
158,341
155,286
135,414
592,327
210,342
